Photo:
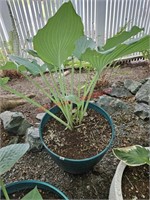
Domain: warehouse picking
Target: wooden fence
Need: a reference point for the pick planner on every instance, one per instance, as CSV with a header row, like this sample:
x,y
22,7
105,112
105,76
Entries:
x,y
20,19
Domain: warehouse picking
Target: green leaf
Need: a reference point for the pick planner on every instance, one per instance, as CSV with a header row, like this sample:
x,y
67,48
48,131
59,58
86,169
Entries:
x,y
94,58
32,67
32,195
4,81
10,154
32,53
133,156
72,98
56,41
100,59
82,44
50,67
121,37
13,66
9,66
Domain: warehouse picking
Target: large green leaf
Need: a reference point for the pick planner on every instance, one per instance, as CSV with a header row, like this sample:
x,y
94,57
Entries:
x,y
100,59
10,154
31,66
82,44
121,37
33,195
133,156
56,41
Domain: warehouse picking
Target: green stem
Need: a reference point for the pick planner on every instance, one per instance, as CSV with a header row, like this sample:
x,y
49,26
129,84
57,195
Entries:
x,y
62,86
57,98
4,190
79,85
86,92
55,85
7,88
72,76
39,87
47,83
89,92
62,103
54,99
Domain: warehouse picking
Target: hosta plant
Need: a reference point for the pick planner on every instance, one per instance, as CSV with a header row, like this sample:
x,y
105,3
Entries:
x,y
9,155
133,155
62,38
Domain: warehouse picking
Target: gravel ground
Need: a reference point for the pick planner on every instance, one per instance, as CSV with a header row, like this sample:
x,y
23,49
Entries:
x,y
95,184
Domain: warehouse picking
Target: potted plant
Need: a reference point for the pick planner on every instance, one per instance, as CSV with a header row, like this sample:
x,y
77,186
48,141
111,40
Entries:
x,y
27,189
62,38
130,156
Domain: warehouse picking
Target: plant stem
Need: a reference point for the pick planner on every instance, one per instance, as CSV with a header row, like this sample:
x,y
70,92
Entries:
x,y
72,76
4,190
89,92
7,88
60,101
79,80
66,106
39,87
54,99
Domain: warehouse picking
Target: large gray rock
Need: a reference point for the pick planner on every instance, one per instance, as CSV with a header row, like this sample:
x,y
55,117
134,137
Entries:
x,y
143,95
33,138
119,91
132,86
111,104
14,122
142,110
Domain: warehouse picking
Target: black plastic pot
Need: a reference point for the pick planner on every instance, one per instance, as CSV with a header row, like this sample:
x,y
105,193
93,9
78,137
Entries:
x,y
78,166
30,184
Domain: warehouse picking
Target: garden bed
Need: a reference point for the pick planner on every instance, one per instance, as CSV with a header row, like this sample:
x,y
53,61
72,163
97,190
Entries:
x,y
38,165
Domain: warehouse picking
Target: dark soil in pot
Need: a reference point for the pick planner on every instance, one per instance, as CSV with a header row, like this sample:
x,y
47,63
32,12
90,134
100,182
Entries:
x,y
44,193
135,182
84,141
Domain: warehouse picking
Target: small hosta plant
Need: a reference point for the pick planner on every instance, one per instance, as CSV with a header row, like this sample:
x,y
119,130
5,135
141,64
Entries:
x,y
133,155
62,38
9,155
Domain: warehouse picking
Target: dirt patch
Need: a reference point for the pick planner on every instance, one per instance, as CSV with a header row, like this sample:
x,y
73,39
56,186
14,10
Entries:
x,y
135,182
84,141
130,130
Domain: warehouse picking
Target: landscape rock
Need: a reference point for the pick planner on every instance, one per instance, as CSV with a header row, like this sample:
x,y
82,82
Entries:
x,y
111,104
33,138
14,122
144,80
132,86
143,95
23,127
142,110
119,91
40,116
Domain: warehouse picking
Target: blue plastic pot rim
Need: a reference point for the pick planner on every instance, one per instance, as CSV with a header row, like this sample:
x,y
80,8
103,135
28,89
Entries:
x,y
38,182
90,158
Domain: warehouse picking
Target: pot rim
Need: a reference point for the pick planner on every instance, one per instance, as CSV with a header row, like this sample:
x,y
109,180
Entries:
x,y
109,120
37,182
115,192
